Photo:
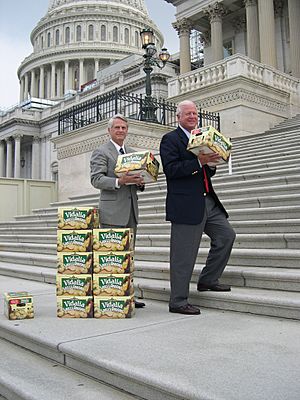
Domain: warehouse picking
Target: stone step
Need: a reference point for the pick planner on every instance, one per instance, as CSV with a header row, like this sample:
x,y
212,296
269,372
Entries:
x,y
252,277
127,354
281,183
38,273
22,247
270,136
276,303
27,375
254,226
27,238
243,240
281,258
30,259
156,214
231,203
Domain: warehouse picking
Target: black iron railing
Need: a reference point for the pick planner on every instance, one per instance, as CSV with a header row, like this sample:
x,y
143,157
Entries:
x,y
131,106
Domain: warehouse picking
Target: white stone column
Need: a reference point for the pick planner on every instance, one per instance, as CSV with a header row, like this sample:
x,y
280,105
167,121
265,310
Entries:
x,y
8,158
267,32
35,164
26,88
42,82
33,84
53,70
81,73
58,82
48,78
21,89
252,30
67,76
183,28
47,157
2,159
17,158
215,13
96,68
294,18
43,158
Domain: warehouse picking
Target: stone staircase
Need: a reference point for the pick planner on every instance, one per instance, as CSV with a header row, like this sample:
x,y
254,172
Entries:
x,y
262,197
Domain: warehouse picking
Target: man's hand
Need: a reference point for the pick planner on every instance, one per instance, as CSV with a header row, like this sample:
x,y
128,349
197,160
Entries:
x,y
206,158
127,179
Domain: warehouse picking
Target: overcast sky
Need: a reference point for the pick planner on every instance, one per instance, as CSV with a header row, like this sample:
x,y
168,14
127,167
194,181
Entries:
x,y
19,17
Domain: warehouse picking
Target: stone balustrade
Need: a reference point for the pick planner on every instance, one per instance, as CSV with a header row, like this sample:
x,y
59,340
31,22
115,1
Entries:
x,y
234,66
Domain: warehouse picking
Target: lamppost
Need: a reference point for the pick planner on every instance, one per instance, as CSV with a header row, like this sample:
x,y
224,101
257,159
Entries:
x,y
150,60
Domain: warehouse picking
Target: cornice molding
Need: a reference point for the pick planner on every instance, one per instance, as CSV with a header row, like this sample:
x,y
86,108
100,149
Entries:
x,y
89,145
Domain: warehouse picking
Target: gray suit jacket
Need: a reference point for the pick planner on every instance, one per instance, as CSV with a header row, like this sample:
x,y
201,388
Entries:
x,y
115,204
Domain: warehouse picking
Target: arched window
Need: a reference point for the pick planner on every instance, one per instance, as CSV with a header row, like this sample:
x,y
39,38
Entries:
x,y
91,32
103,33
115,34
67,35
126,35
57,37
42,42
48,39
78,33
136,39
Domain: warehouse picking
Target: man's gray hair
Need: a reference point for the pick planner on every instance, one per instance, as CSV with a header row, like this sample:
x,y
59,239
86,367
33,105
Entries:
x,y
116,116
182,104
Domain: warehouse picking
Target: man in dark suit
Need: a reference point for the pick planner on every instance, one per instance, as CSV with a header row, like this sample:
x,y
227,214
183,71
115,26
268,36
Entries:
x,y
118,197
193,207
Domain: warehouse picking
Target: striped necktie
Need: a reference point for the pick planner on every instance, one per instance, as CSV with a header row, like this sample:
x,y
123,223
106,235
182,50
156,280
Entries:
x,y
121,150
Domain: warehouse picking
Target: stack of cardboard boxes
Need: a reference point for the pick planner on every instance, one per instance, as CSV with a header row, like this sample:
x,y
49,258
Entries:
x,y
74,261
94,267
113,273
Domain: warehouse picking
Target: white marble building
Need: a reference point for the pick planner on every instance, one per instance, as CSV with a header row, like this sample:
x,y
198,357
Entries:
x,y
73,42
251,59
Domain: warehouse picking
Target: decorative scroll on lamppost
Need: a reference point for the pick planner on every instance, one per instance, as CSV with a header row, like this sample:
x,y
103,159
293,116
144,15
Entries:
x,y
150,60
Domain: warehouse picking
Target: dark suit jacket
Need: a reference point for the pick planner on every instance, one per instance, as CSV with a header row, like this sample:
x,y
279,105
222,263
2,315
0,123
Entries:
x,y
185,201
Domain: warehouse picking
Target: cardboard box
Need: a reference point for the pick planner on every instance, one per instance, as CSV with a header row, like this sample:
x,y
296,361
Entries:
x,y
18,305
114,307
142,162
74,241
208,140
78,218
120,239
75,306
74,285
113,285
74,263
113,262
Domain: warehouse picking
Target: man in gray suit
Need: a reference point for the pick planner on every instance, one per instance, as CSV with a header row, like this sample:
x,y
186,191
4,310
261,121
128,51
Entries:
x,y
118,197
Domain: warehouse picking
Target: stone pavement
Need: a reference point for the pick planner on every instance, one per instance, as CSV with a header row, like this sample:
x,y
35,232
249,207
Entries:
x,y
156,355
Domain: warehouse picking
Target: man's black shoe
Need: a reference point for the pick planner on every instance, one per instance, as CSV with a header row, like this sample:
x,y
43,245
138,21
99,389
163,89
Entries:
x,y
188,309
219,287
139,304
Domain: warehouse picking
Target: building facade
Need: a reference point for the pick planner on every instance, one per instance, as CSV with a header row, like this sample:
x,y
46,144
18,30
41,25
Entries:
x,y
251,61
72,44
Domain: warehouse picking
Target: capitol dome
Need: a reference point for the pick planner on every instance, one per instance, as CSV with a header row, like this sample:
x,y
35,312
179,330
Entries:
x,y
76,38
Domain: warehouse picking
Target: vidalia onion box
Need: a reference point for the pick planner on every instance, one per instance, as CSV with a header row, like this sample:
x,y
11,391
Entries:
x,y
74,263
119,239
121,262
75,306
74,241
208,140
78,218
113,285
114,307
18,305
143,163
